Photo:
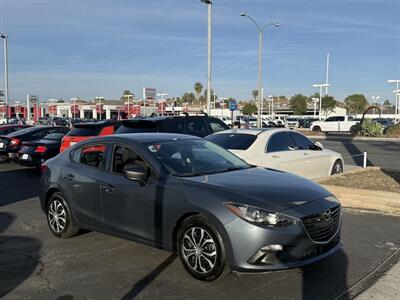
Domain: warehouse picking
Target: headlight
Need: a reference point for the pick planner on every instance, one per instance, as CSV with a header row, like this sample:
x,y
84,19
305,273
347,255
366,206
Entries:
x,y
257,215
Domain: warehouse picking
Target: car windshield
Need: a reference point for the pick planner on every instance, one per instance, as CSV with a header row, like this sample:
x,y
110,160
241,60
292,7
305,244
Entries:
x,y
186,158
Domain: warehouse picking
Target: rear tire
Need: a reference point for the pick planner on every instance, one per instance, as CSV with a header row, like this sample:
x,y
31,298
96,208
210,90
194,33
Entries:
x,y
337,167
201,249
59,217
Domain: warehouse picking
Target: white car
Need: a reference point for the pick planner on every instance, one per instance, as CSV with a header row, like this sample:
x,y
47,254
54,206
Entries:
x,y
281,149
341,124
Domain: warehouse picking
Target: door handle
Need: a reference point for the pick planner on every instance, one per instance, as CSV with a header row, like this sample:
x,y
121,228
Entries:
x,y
305,153
69,177
108,188
275,156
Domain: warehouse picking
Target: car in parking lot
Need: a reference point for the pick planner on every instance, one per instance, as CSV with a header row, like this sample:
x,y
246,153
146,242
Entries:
x,y
10,144
280,149
292,122
187,195
200,126
34,153
85,130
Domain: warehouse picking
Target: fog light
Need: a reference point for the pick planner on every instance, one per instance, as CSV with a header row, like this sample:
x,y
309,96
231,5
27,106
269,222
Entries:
x,y
272,248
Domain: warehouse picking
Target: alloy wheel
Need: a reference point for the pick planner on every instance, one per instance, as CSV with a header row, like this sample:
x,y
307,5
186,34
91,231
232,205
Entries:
x,y
57,216
199,250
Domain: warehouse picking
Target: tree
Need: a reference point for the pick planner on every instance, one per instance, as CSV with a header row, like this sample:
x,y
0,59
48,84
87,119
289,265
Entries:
x,y
328,104
255,94
198,87
127,93
298,103
188,98
356,103
249,109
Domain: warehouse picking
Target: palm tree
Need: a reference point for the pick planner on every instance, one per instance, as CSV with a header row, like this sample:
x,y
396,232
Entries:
x,y
198,87
255,94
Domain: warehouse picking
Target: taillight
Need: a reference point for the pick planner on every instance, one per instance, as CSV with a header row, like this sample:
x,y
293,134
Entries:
x,y
15,142
41,149
43,168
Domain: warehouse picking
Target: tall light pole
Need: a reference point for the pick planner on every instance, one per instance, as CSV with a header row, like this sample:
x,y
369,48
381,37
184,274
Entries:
x,y
320,85
100,108
209,5
162,101
260,36
375,101
5,39
396,81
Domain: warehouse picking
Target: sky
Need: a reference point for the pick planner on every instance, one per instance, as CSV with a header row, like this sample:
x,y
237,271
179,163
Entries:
x,y
81,48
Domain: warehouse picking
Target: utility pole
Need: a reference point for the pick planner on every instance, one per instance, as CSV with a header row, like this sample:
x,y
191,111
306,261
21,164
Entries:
x,y
327,74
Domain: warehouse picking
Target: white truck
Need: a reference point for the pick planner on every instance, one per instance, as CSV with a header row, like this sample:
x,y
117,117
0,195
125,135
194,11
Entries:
x,y
338,124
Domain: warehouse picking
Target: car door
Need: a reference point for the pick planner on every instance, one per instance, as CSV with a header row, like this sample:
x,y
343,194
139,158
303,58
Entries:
x,y
81,182
281,153
332,124
131,207
315,162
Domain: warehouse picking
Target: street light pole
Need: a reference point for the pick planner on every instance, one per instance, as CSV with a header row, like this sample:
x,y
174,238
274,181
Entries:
x,y
5,39
260,41
209,6
320,85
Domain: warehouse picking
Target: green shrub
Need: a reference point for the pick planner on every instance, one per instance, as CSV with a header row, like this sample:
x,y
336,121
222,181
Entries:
x,y
393,131
370,128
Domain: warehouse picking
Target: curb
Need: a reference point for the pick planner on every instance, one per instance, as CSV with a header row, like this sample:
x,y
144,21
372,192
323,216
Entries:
x,y
353,138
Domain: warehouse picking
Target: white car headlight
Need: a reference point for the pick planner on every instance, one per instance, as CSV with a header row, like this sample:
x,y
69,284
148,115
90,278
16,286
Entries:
x,y
257,215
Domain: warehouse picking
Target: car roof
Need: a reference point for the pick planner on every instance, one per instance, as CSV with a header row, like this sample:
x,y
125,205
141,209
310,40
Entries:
x,y
147,137
96,123
161,118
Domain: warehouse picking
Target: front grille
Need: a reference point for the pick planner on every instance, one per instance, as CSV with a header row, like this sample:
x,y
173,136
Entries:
x,y
321,227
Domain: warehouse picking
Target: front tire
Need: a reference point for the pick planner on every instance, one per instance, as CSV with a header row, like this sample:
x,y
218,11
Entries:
x,y
201,249
59,217
337,167
316,129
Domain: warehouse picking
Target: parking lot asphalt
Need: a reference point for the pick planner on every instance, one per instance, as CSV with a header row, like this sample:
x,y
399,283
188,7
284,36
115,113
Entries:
x,y
384,154
36,265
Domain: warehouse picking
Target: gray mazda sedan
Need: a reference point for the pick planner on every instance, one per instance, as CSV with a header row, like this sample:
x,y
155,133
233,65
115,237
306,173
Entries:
x,y
187,195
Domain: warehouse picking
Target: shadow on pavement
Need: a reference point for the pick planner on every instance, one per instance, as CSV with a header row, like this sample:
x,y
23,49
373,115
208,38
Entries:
x,y
19,256
143,283
18,185
331,273
394,174
351,149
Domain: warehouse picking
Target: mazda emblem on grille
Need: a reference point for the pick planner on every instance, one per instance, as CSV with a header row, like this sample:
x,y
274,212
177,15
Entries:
x,y
327,215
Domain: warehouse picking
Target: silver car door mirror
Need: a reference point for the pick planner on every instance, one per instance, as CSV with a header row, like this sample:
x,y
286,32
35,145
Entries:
x,y
135,173
319,145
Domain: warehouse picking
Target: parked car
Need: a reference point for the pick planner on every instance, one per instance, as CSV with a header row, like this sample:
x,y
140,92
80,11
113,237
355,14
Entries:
x,y
85,130
200,126
335,124
7,129
292,123
10,144
187,195
306,122
34,153
280,149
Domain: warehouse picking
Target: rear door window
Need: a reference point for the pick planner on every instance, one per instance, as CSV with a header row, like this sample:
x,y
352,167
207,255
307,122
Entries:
x,y
280,142
234,141
196,126
93,156
173,126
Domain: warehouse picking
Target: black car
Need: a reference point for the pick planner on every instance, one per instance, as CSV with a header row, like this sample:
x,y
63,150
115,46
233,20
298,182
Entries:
x,y
34,153
11,143
200,126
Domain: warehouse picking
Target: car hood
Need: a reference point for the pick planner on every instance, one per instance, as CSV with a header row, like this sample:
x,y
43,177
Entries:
x,y
265,188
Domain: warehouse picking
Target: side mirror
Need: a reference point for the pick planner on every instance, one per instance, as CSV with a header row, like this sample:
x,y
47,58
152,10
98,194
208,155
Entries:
x,y
319,145
135,173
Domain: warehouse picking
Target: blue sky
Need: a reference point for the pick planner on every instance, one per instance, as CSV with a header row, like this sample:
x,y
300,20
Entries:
x,y
63,49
